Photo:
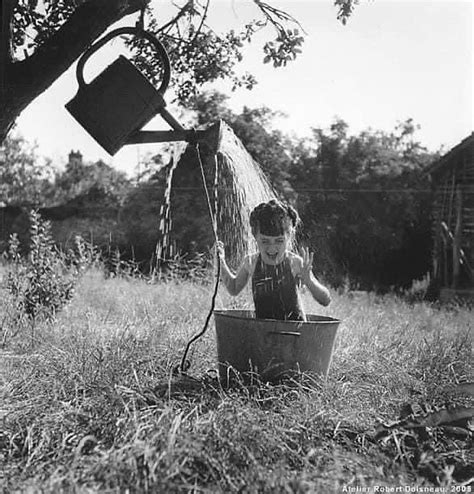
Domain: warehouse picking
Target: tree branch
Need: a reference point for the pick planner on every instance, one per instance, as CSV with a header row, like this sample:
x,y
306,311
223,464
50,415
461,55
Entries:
x,y
6,16
6,11
175,19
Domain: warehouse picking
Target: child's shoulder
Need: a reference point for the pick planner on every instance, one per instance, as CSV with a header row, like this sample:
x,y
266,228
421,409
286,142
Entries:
x,y
294,258
293,255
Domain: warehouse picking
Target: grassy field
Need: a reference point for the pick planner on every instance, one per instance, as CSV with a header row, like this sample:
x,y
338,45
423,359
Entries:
x,y
89,402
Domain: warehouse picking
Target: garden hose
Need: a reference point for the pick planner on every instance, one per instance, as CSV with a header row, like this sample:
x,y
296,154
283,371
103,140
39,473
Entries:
x,y
186,364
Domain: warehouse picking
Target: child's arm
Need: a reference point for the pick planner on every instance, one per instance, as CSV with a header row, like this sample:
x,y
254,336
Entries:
x,y
319,292
233,283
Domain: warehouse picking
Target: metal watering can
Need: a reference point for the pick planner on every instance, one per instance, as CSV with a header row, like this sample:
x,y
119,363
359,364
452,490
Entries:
x,y
114,106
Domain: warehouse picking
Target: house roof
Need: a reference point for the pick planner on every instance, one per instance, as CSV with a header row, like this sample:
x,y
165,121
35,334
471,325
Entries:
x,y
446,159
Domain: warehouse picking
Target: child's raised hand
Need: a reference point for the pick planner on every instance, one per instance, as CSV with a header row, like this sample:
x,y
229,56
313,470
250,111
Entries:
x,y
307,257
220,250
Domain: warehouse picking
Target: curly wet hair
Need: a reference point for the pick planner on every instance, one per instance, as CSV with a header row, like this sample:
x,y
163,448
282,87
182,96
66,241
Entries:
x,y
274,218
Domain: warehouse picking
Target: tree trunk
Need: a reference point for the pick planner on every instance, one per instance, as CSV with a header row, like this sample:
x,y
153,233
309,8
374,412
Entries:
x,y
21,82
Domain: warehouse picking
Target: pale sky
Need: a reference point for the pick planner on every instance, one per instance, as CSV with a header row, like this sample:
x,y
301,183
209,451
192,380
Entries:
x,y
393,60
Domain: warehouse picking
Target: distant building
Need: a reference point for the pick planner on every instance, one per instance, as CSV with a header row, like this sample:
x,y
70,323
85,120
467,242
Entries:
x,y
74,159
453,221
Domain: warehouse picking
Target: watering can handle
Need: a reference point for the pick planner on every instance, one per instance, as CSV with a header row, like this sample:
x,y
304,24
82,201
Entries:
x,y
127,30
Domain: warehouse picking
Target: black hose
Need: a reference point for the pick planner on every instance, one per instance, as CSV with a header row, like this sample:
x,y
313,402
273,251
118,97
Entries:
x,y
186,364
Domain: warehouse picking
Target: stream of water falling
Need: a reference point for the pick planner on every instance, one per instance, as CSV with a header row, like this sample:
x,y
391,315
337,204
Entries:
x,y
237,188
163,247
242,185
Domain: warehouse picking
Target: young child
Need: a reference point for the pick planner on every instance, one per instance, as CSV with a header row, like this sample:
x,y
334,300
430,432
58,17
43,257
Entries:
x,y
275,272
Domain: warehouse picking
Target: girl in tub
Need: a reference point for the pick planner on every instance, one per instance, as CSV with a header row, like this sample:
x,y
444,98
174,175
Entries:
x,y
276,273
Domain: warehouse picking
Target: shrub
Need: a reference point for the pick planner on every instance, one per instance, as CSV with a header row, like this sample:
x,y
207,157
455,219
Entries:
x,y
195,266
84,255
42,281
115,265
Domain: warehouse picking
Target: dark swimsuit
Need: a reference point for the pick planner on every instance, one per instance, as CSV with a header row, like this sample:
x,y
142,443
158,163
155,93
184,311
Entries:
x,y
275,292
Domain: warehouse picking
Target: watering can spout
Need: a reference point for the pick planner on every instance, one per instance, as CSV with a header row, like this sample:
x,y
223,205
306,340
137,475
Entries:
x,y
116,105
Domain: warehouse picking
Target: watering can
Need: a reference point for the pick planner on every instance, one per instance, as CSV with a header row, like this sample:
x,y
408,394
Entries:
x,y
114,106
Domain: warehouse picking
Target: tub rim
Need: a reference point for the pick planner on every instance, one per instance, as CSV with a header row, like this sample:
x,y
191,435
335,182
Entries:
x,y
237,314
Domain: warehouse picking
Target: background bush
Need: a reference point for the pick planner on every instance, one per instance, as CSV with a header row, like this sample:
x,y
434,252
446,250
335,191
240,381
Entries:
x,y
43,279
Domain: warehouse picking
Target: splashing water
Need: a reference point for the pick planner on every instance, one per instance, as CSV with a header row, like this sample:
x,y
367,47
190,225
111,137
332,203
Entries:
x,y
242,187
236,184
164,248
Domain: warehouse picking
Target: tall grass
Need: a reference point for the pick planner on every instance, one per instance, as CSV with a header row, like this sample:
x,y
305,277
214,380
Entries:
x,y
91,404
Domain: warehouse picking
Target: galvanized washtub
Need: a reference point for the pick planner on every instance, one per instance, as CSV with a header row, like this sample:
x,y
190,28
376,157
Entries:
x,y
272,349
